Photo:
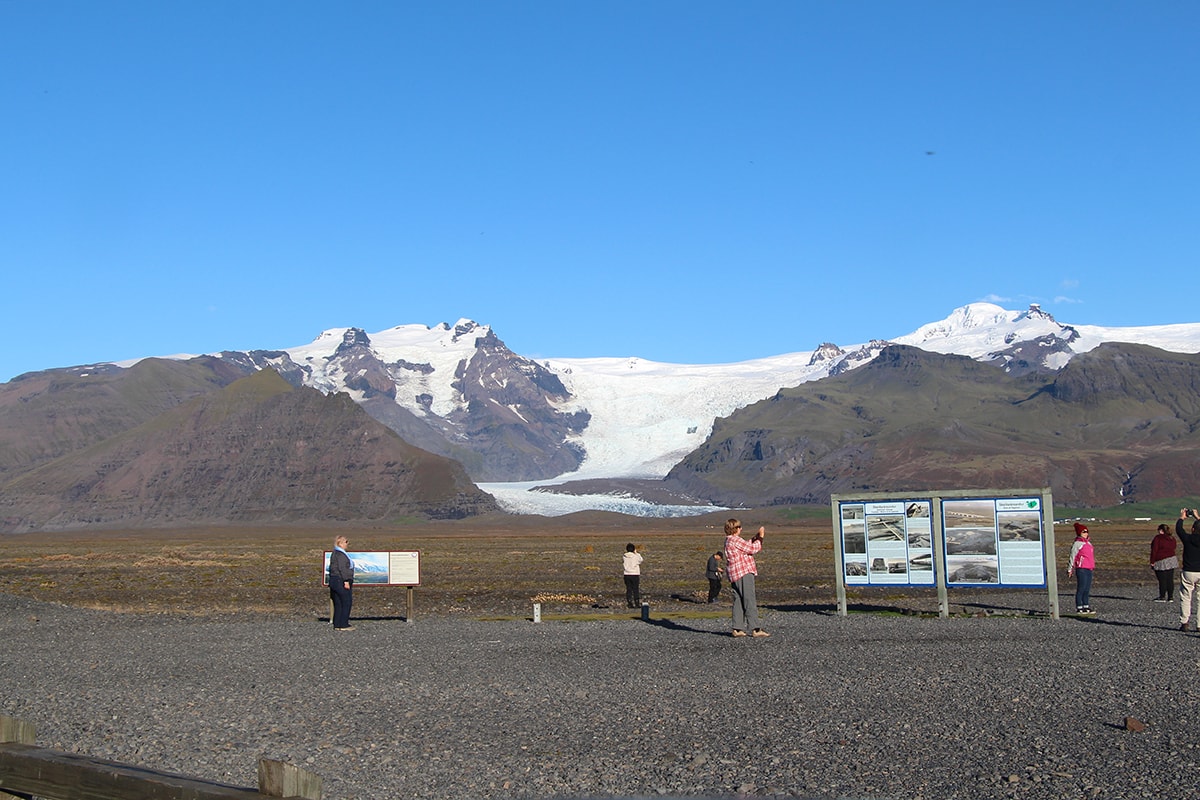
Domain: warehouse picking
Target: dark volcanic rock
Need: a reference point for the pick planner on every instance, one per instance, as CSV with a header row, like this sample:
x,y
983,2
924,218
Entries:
x,y
1005,704
511,420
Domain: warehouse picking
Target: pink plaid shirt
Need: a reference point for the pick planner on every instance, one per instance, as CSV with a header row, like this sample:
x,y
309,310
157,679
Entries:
x,y
739,556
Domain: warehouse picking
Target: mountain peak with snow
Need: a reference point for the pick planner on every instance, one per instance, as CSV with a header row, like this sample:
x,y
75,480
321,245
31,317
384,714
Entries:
x,y
979,328
457,390
1036,311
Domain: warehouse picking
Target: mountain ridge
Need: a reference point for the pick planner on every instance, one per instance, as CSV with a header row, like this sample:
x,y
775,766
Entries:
x,y
1099,433
258,449
532,432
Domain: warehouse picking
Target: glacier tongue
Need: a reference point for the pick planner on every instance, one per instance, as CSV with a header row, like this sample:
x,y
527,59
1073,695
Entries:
x,y
518,498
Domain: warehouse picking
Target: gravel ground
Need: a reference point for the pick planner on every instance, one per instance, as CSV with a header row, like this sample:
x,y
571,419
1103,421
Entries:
x,y
869,706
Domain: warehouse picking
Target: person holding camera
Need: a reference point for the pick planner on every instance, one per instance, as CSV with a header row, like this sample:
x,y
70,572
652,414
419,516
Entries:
x,y
631,569
1190,575
741,570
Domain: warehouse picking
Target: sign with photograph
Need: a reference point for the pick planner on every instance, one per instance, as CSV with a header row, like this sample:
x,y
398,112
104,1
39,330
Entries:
x,y
994,541
887,542
987,541
382,568
957,538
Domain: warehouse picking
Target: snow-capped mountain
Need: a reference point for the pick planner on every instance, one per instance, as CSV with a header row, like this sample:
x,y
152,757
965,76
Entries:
x,y
1033,339
516,423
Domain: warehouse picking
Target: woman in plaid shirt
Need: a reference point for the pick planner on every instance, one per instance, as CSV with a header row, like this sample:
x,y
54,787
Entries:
x,y
740,567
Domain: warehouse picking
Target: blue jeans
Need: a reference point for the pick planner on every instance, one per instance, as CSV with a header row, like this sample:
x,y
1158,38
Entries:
x,y
1083,588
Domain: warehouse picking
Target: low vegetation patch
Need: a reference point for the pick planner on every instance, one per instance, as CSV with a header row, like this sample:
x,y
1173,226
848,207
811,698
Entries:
x,y
476,568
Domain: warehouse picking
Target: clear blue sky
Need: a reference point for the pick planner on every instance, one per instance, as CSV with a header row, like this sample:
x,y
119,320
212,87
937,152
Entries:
x,y
682,181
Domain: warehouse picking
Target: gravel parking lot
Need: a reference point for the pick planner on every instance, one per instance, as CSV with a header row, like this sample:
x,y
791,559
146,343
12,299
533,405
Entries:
x,y
874,705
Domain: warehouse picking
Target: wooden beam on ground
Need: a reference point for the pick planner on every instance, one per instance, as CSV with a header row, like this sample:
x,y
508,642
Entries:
x,y
26,769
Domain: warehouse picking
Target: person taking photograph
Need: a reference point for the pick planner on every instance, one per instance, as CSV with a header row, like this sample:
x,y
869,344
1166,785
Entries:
x,y
742,571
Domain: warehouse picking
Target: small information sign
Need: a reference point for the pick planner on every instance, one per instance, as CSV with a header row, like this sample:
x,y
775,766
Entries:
x,y
382,568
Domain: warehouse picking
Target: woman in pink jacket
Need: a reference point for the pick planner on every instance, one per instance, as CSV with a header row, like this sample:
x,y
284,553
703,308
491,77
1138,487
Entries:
x,y
1081,564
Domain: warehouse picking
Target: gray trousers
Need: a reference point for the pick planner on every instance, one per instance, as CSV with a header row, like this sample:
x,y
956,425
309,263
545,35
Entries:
x,y
745,605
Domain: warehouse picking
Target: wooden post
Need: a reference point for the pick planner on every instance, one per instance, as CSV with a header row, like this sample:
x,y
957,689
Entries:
x,y
19,731
1048,556
408,616
37,771
278,779
16,730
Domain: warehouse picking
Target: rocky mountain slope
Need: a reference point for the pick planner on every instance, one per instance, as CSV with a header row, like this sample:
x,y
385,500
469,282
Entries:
x,y
790,428
1118,423
45,415
456,391
257,450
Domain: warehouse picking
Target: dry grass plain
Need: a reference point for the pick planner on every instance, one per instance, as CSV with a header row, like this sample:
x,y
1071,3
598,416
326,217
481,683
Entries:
x,y
481,568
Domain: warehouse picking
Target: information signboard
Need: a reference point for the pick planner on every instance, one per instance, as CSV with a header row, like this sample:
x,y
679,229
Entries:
x,y
994,541
945,539
382,568
888,542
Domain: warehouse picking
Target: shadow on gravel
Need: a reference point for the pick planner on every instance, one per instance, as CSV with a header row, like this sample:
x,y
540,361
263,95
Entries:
x,y
819,608
354,619
673,625
1011,609
1122,624
685,598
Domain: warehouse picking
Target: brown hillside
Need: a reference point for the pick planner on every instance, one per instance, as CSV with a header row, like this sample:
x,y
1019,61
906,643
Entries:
x,y
1119,423
45,415
257,450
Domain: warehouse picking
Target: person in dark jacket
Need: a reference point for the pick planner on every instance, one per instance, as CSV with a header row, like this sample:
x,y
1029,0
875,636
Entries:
x,y
713,572
1191,566
341,584
1164,563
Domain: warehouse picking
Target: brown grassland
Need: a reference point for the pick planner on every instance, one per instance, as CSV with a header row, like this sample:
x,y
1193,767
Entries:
x,y
482,568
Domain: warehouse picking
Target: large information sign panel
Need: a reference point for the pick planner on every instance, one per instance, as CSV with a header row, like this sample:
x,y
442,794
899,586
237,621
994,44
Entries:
x,y
888,542
988,541
994,541
383,567
955,538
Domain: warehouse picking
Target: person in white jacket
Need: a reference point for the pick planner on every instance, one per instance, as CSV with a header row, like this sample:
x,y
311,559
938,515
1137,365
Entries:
x,y
631,566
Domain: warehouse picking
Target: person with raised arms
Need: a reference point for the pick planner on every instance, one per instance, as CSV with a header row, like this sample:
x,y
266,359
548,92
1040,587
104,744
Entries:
x,y
741,569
